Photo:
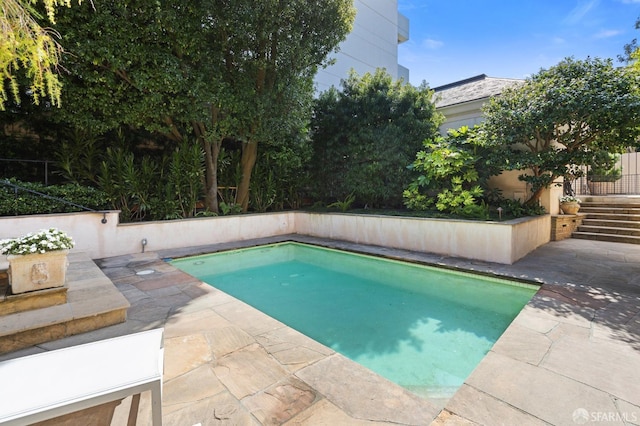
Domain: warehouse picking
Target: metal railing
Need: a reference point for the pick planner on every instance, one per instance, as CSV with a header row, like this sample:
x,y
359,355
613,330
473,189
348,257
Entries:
x,y
626,185
18,188
35,168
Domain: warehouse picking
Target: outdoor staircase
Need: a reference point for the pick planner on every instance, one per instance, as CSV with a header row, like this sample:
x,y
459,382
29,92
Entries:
x,y
610,218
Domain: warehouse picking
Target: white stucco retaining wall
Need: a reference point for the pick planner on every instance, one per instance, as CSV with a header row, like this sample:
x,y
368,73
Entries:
x,y
501,242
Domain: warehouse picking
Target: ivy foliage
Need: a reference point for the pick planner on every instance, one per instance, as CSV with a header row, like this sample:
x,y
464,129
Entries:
x,y
560,118
364,137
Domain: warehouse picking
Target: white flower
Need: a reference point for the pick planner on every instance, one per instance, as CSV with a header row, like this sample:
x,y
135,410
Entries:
x,y
570,199
41,242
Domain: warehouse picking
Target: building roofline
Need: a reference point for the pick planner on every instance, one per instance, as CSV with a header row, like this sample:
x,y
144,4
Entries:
x,y
479,87
460,82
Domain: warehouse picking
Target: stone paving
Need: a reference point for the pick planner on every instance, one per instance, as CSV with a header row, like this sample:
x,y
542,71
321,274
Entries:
x,y
572,356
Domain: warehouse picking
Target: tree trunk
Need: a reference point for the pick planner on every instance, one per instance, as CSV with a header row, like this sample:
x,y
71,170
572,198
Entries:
x,y
211,149
211,154
535,197
247,161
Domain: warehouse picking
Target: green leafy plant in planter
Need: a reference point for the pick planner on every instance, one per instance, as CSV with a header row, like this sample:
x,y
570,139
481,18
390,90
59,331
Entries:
x,y
343,205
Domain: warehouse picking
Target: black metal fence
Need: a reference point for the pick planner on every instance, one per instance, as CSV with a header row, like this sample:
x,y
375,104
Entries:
x,y
27,170
626,185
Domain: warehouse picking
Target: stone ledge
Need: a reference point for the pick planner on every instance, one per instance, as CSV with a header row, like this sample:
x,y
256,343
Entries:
x,y
14,303
93,302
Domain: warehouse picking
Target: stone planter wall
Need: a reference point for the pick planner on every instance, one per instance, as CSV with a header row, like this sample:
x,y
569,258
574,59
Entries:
x,y
562,226
501,242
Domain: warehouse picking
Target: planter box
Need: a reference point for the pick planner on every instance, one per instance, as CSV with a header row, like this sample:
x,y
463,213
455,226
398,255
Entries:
x,y
37,271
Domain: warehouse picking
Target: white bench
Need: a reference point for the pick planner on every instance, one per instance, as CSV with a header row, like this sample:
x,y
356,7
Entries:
x,y
54,383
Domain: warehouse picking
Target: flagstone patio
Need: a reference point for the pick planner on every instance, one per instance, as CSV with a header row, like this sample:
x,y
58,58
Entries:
x,y
572,356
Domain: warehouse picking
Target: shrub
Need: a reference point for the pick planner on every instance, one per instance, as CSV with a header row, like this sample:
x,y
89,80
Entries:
x,y
56,199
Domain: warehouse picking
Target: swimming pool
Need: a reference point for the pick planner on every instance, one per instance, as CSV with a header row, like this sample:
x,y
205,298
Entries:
x,y
421,327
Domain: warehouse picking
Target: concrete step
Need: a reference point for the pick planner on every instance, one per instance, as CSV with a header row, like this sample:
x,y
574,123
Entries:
x,y
93,302
611,216
635,224
616,205
610,199
609,230
597,236
610,210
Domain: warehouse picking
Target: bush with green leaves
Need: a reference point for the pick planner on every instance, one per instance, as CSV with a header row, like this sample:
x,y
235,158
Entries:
x,y
516,208
23,201
280,175
448,175
604,167
364,137
150,189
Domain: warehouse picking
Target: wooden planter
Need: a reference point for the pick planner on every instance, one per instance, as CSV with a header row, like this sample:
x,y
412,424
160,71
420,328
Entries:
x,y
37,271
570,208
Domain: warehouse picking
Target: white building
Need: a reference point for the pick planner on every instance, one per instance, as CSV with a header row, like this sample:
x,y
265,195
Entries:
x,y
373,43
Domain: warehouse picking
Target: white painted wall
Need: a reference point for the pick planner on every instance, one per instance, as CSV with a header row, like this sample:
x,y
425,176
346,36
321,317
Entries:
x,y
372,44
467,114
501,242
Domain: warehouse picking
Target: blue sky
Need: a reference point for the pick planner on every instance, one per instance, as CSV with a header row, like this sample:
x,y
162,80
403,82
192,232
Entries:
x,y
451,40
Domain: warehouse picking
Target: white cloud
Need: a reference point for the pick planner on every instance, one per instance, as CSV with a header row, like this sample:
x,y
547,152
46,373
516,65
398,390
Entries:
x,y
608,33
578,12
432,44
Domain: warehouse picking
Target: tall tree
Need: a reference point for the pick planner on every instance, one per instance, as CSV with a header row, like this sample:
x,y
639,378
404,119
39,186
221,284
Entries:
x,y
275,57
562,117
366,135
26,45
630,48
205,69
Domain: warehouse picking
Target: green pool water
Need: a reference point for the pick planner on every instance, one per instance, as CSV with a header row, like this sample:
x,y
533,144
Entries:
x,y
421,327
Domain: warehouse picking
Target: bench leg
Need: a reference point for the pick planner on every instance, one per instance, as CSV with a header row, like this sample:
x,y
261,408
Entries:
x,y
133,411
156,403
